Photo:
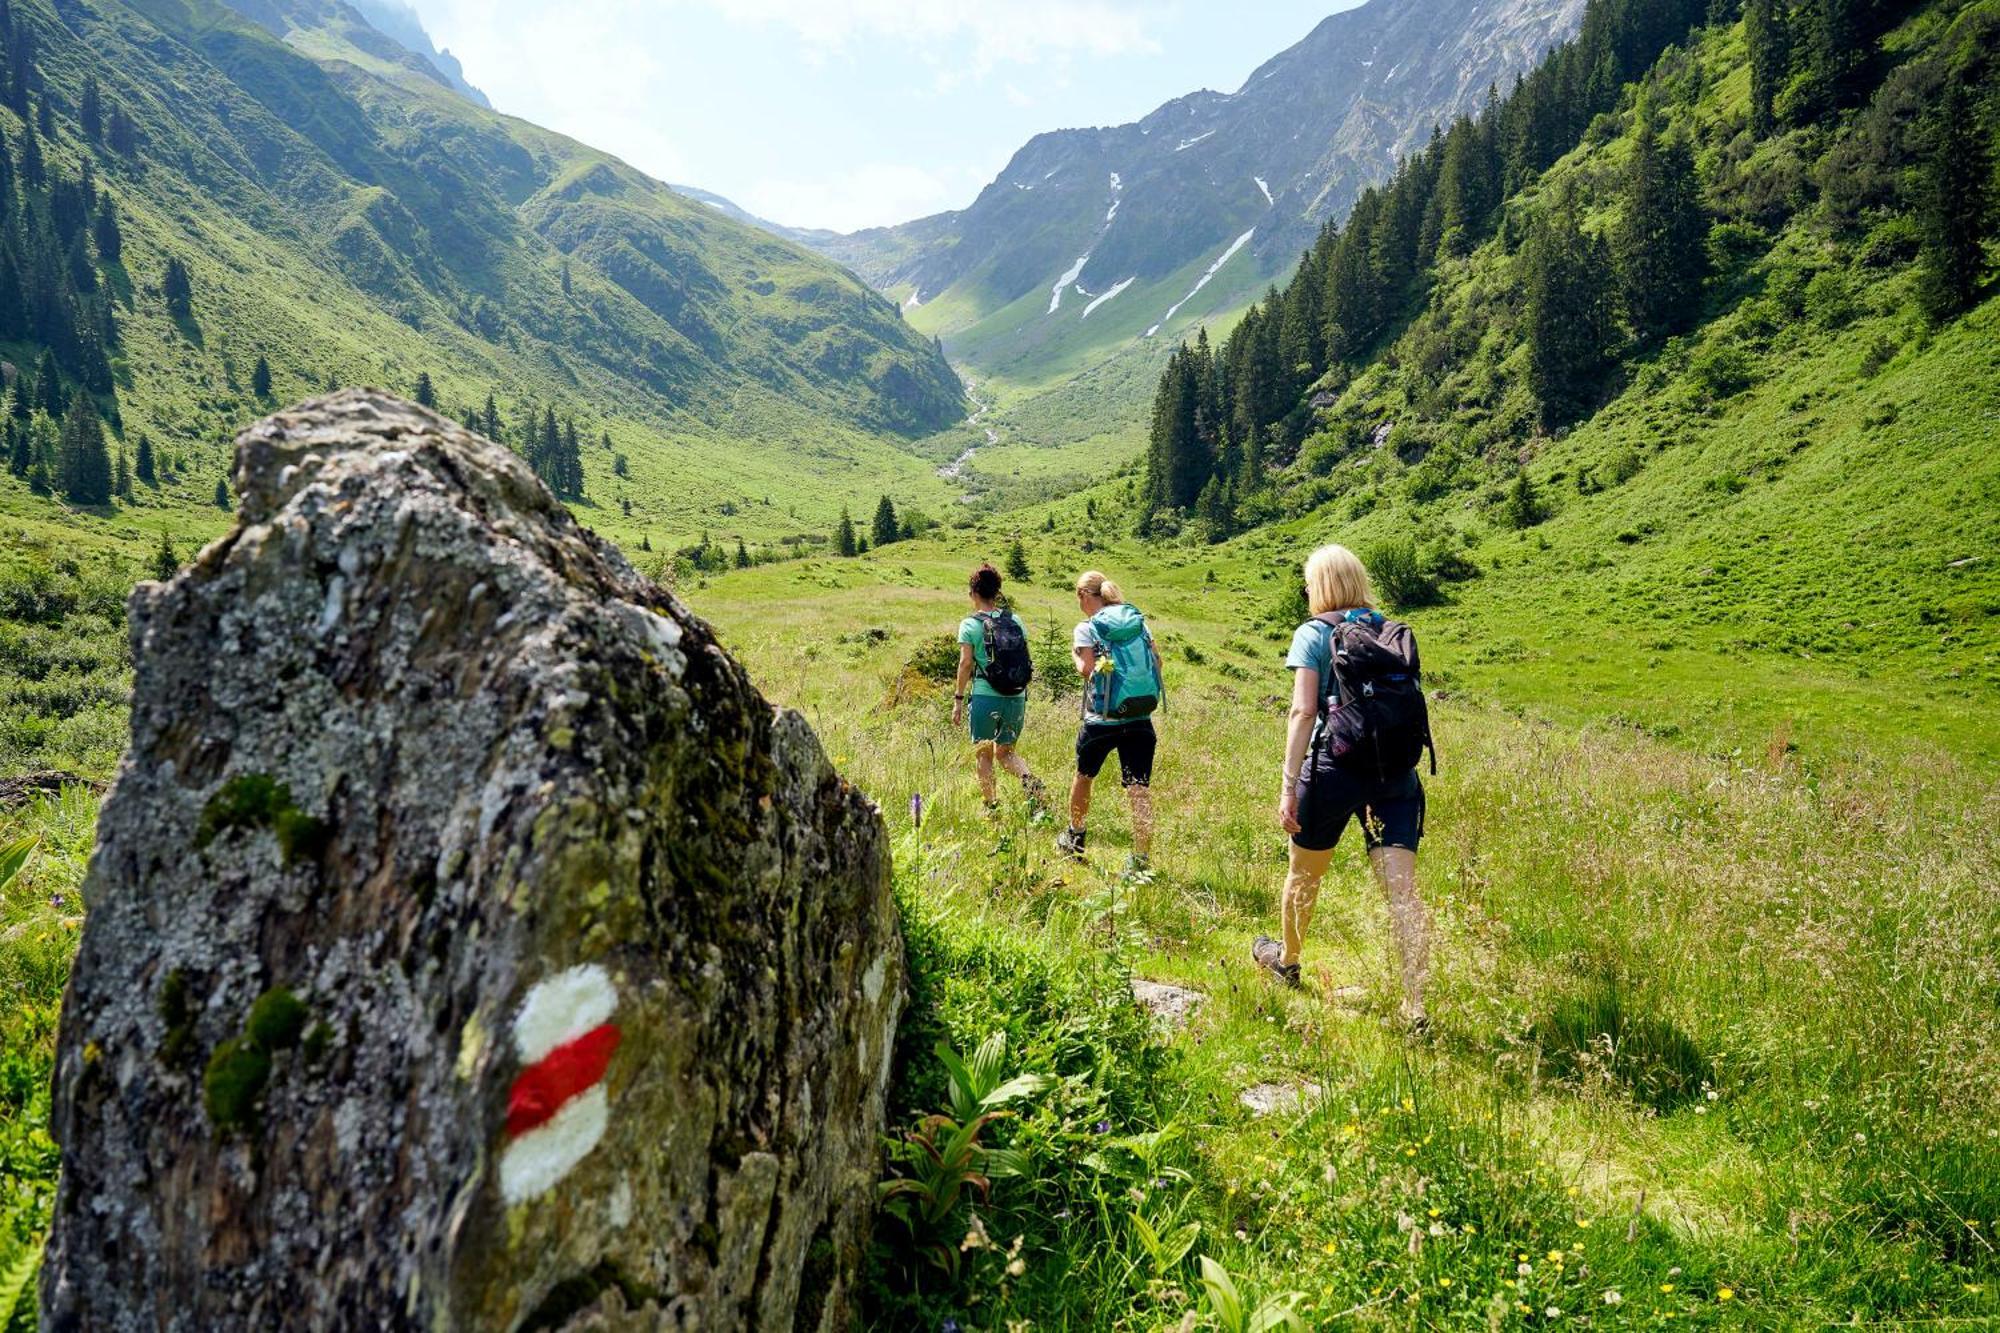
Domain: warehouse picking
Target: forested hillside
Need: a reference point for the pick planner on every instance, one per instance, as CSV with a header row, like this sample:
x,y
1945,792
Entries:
x,y
1702,358
202,220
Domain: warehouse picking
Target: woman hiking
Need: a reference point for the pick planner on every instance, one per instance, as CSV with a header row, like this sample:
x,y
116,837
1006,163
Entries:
x,y
1357,728
1120,665
993,661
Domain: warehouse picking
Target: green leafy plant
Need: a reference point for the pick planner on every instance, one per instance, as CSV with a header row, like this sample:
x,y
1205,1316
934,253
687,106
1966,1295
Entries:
x,y
14,856
978,1087
1232,1311
17,1288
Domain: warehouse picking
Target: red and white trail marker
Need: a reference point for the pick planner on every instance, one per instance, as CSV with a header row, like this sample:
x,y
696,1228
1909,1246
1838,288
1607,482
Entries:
x,y
557,1109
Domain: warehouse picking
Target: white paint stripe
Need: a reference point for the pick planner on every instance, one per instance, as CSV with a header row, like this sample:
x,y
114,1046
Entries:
x,y
562,1008
536,1161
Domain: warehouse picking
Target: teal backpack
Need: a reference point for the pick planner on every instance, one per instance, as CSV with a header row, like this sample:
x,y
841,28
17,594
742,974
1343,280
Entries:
x,y
1132,689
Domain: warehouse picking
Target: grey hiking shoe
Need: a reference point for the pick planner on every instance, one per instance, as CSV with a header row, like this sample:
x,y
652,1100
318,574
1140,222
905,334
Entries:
x,y
1269,955
1070,842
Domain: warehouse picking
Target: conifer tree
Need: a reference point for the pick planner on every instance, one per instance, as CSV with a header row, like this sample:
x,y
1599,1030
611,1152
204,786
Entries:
x,y
884,532
1769,44
48,386
1955,176
166,560
260,378
843,537
122,134
105,231
489,420
121,476
742,554
90,110
34,170
423,391
1017,562
83,464
1569,318
20,404
20,448
177,287
222,494
1661,241
143,461
1524,507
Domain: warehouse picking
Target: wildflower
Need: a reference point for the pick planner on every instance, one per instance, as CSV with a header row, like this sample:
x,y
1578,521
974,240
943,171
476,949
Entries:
x,y
1435,1213
1724,1294
948,1326
1614,1297
1444,1282
1409,1152
1331,1247
1973,1288
1555,1256
56,901
1552,1313
1523,1269
1409,1105
1017,1266
1667,1288
1583,1223
1101,1127
1469,1229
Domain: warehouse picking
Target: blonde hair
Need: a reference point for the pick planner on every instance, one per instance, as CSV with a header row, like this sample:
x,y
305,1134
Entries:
x,y
1094,584
1336,580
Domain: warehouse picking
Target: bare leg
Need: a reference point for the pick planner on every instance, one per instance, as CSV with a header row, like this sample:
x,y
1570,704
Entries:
x,y
1141,797
1010,759
1079,801
1396,871
984,752
1300,896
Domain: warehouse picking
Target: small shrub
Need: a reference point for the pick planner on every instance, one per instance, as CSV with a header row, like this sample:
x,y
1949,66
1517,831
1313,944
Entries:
x,y
1399,578
1829,302
1721,370
935,660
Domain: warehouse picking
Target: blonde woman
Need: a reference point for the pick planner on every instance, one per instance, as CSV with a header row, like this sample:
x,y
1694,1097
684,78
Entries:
x,y
1120,666
1349,757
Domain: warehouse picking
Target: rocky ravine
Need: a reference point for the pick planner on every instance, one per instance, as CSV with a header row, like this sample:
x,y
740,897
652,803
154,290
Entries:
x,y
470,946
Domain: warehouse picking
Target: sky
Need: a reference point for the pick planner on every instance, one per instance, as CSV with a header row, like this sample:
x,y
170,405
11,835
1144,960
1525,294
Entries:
x,y
849,113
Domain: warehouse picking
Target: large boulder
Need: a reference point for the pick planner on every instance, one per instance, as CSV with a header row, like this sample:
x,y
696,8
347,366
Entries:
x,y
470,945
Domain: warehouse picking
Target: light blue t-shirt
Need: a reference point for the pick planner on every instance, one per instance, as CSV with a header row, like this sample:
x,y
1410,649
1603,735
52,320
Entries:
x,y
972,633
1312,649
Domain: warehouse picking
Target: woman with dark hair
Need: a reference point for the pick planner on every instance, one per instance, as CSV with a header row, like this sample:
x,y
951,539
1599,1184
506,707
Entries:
x,y
994,666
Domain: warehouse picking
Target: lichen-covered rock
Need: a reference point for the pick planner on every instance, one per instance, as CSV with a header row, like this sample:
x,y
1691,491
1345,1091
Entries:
x,y
470,945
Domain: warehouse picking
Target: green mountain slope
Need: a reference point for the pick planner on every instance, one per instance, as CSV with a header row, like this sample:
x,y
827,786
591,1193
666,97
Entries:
x,y
1779,514
350,218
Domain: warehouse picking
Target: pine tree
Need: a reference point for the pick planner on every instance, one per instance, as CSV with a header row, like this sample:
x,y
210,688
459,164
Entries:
x,y
260,378
83,464
90,110
1661,245
49,387
1017,562
121,476
143,463
1955,174
110,240
34,170
20,404
1769,42
1524,507
122,134
843,537
222,494
424,393
177,286
884,532
20,448
742,554
166,560
489,419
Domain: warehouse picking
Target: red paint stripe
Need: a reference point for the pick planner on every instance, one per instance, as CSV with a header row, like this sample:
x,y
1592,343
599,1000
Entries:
x,y
571,1068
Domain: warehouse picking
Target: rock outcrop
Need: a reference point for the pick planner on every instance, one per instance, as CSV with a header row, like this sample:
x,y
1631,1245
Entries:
x,y
470,945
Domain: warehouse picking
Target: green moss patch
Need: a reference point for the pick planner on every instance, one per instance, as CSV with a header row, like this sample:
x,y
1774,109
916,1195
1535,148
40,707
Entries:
x,y
234,1080
257,800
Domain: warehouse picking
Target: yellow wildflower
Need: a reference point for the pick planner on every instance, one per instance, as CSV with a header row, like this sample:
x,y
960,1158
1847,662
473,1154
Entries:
x,y
1724,1294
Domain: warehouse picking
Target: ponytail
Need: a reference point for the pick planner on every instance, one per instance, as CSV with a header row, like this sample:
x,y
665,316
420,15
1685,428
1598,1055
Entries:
x,y
1094,584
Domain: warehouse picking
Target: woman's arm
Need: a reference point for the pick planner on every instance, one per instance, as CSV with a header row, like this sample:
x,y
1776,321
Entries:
x,y
1086,660
965,664
1298,735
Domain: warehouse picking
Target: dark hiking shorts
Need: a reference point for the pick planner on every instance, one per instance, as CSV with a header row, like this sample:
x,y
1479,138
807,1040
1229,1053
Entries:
x,y
1134,742
1391,813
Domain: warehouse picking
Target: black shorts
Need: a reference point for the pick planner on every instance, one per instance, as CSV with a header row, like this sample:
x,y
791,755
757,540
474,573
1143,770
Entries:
x,y
1392,812
1134,741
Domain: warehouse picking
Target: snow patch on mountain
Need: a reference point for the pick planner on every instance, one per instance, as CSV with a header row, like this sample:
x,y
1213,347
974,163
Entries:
x,y
1264,185
1186,144
1213,269
1107,296
1075,272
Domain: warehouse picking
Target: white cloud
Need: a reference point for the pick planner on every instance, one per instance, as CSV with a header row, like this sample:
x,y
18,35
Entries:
x,y
873,194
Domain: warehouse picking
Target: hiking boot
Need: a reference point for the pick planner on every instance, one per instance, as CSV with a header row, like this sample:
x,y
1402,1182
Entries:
x,y
1269,955
1070,842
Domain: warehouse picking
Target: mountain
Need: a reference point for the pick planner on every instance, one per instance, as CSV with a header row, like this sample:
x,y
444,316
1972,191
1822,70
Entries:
x,y
729,208
344,215
1094,236
396,19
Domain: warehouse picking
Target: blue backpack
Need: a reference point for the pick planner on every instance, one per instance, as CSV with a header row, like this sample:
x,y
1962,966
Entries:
x,y
1132,688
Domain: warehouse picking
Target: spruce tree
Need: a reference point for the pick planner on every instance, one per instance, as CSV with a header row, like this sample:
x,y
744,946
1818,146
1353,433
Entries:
x,y
122,134
49,387
1524,507
489,419
105,231
143,462
20,448
1569,318
1661,245
1765,34
1954,177
121,476
166,560
222,494
90,110
425,395
843,537
177,287
34,170
1017,562
83,463
884,532
742,554
20,404
260,378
